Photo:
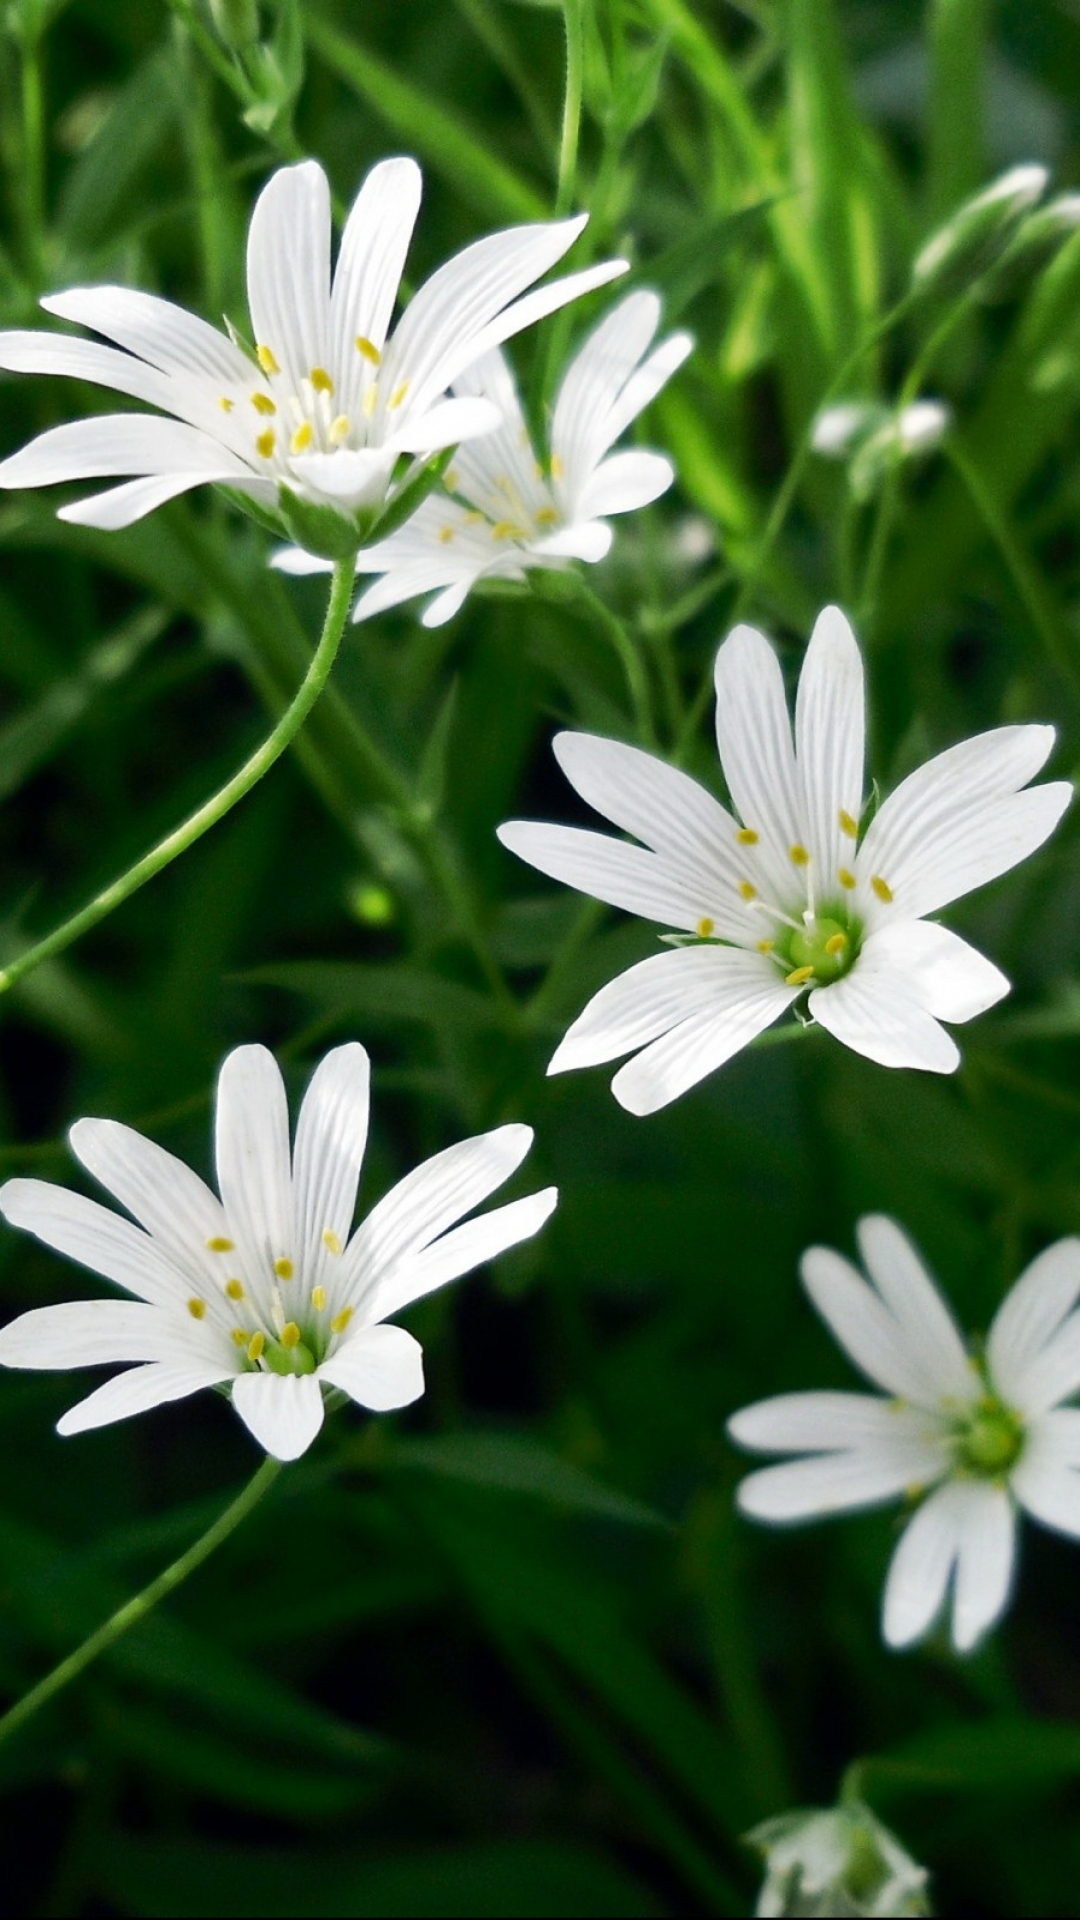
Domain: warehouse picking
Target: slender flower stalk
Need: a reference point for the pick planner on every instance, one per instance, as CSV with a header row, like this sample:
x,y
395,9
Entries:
x,y
968,1438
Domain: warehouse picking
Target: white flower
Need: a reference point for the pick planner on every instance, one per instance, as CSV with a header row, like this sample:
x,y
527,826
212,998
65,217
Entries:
x,y
262,1291
972,1438
504,510
836,1860
787,900
331,398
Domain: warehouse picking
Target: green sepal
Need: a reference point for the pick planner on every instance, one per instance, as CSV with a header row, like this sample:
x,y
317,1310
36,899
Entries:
x,y
561,588
264,517
416,489
320,530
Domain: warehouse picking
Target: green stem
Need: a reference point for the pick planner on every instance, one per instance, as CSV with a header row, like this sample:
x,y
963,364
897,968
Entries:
x,y
33,168
571,122
637,680
139,1606
218,805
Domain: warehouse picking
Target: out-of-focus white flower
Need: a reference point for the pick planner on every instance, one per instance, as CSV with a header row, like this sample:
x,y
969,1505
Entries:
x,y
836,1861
330,399
872,437
504,510
262,1291
790,898
972,1438
977,233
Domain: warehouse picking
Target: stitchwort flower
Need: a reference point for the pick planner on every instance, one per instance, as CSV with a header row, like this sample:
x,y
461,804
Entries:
x,y
262,1292
836,1861
792,902
969,1437
329,400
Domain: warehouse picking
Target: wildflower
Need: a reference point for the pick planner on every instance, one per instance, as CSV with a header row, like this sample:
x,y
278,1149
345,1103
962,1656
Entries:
x,y
970,1438
329,399
263,1291
792,900
505,511
836,1860
873,439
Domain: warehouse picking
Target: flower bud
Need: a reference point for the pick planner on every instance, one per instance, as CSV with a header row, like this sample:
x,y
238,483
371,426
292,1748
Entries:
x,y
872,439
837,1861
1032,247
976,235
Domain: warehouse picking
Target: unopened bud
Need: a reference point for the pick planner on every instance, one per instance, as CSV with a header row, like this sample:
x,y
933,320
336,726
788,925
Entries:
x,y
1032,247
838,431
872,439
976,235
837,1861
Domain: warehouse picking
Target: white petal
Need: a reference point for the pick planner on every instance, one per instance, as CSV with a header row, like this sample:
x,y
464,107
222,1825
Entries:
x,y
645,384
370,264
987,1555
295,561
928,1328
60,353
536,306
624,482
122,506
433,1197
1053,1374
137,1391
252,1147
659,994
445,425
864,1327
587,540
828,1483
331,1135
813,1422
830,740
872,1011
282,1412
678,1060
164,1195
610,870
288,270
593,381
942,973
753,733
379,1367
355,476
446,604
120,443
460,1250
1046,1480
405,584
1031,1315
163,334
96,1238
91,1333
959,821
921,1568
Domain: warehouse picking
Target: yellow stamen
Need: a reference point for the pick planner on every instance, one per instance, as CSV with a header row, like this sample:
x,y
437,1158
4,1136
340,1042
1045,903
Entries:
x,y
450,479
705,927
265,444
318,1298
256,1345
234,1289
262,403
290,1334
557,468
765,946
341,1320
266,360
846,879
446,534
798,856
399,393
339,430
547,517
284,1269
746,837
371,400
197,1309
219,1244
798,977
302,438
330,1240
914,1492
240,1336
368,348
881,888
226,404
748,892
507,530
321,380
837,943
848,825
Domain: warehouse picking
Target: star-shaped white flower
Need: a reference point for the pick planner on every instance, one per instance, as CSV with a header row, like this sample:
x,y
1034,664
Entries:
x,y
790,899
973,1438
263,1291
503,510
332,397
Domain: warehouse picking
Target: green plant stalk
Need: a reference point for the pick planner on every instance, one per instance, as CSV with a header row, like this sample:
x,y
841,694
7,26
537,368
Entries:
x,y
33,155
140,1604
633,666
219,804
571,120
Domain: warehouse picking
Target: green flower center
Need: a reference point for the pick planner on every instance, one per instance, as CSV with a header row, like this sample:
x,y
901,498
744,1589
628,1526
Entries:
x,y
822,950
991,1440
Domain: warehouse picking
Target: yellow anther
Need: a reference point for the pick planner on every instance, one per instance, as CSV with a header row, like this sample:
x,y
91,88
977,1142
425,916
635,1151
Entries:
x,y
302,438
330,1240
746,837
197,1309
450,479
399,393
705,927
837,943
341,1320
266,360
881,888
265,444
914,1492
226,404
507,530
846,879
321,380
748,892
798,856
798,976
284,1269
368,348
371,400
547,517
234,1289
848,825
256,1345
339,430
219,1244
262,403
290,1334
240,1336
318,1298
446,534
557,468
765,946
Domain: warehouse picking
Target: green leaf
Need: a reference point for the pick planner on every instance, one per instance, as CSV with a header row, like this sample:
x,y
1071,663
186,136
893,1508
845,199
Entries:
x,y
514,1463
386,993
1006,1753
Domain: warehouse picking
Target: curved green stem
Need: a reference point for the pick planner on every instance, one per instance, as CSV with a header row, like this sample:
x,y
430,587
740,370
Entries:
x,y
140,1604
637,680
218,805
571,122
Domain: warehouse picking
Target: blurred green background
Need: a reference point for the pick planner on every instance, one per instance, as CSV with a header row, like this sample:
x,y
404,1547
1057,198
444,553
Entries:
x,y
513,1652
